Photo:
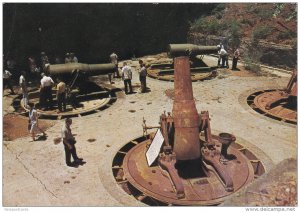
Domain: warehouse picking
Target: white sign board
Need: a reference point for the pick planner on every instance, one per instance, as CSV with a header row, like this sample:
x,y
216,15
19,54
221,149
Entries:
x,y
154,148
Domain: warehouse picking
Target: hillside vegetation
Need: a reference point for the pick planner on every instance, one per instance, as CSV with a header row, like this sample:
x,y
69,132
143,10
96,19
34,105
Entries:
x,y
249,25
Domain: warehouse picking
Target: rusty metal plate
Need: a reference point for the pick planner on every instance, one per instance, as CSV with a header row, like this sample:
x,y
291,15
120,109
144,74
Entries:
x,y
202,189
283,111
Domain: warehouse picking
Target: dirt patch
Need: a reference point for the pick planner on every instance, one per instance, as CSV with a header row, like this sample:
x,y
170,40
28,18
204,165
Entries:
x,y
16,126
241,72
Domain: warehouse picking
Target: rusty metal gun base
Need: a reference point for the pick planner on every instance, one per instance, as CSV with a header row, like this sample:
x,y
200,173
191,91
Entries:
x,y
202,186
283,111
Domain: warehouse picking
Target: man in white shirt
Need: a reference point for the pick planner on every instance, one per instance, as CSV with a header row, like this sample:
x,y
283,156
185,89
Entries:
x,y
69,144
46,91
114,60
224,57
7,81
127,76
23,85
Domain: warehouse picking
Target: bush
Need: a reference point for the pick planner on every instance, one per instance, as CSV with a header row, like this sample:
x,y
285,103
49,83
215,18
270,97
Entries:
x,y
264,14
250,8
235,34
252,58
219,8
278,8
284,35
250,65
247,21
211,26
261,32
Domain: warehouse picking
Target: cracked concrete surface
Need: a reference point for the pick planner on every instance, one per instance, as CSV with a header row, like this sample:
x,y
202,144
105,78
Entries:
x,y
35,174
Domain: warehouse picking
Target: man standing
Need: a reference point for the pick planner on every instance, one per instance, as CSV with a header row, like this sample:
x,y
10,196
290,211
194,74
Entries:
x,y
67,58
73,58
235,58
61,95
143,75
114,60
46,91
224,57
44,61
23,85
34,70
34,125
7,81
69,143
127,76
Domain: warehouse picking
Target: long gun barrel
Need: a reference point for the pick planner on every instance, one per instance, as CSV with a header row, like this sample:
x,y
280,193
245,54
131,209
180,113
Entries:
x,y
88,69
177,50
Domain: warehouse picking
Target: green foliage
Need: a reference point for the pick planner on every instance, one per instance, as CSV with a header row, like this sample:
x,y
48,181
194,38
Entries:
x,y
219,8
252,8
261,32
284,35
252,57
235,34
277,9
293,15
251,65
209,26
247,21
264,14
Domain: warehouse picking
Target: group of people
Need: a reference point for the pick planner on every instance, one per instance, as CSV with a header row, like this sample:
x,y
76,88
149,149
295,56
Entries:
x,y
127,74
223,57
37,68
45,98
71,58
46,101
127,77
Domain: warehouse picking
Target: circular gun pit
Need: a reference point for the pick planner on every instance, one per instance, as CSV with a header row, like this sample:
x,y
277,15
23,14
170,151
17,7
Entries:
x,y
151,185
92,99
165,72
284,110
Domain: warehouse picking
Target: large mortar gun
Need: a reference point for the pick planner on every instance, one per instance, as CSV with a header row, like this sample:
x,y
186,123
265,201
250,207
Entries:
x,y
87,69
177,50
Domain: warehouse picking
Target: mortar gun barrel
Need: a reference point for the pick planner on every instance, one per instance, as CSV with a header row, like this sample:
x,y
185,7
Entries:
x,y
177,50
88,69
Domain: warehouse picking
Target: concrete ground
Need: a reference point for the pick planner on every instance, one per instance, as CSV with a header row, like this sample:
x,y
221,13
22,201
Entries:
x,y
35,174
